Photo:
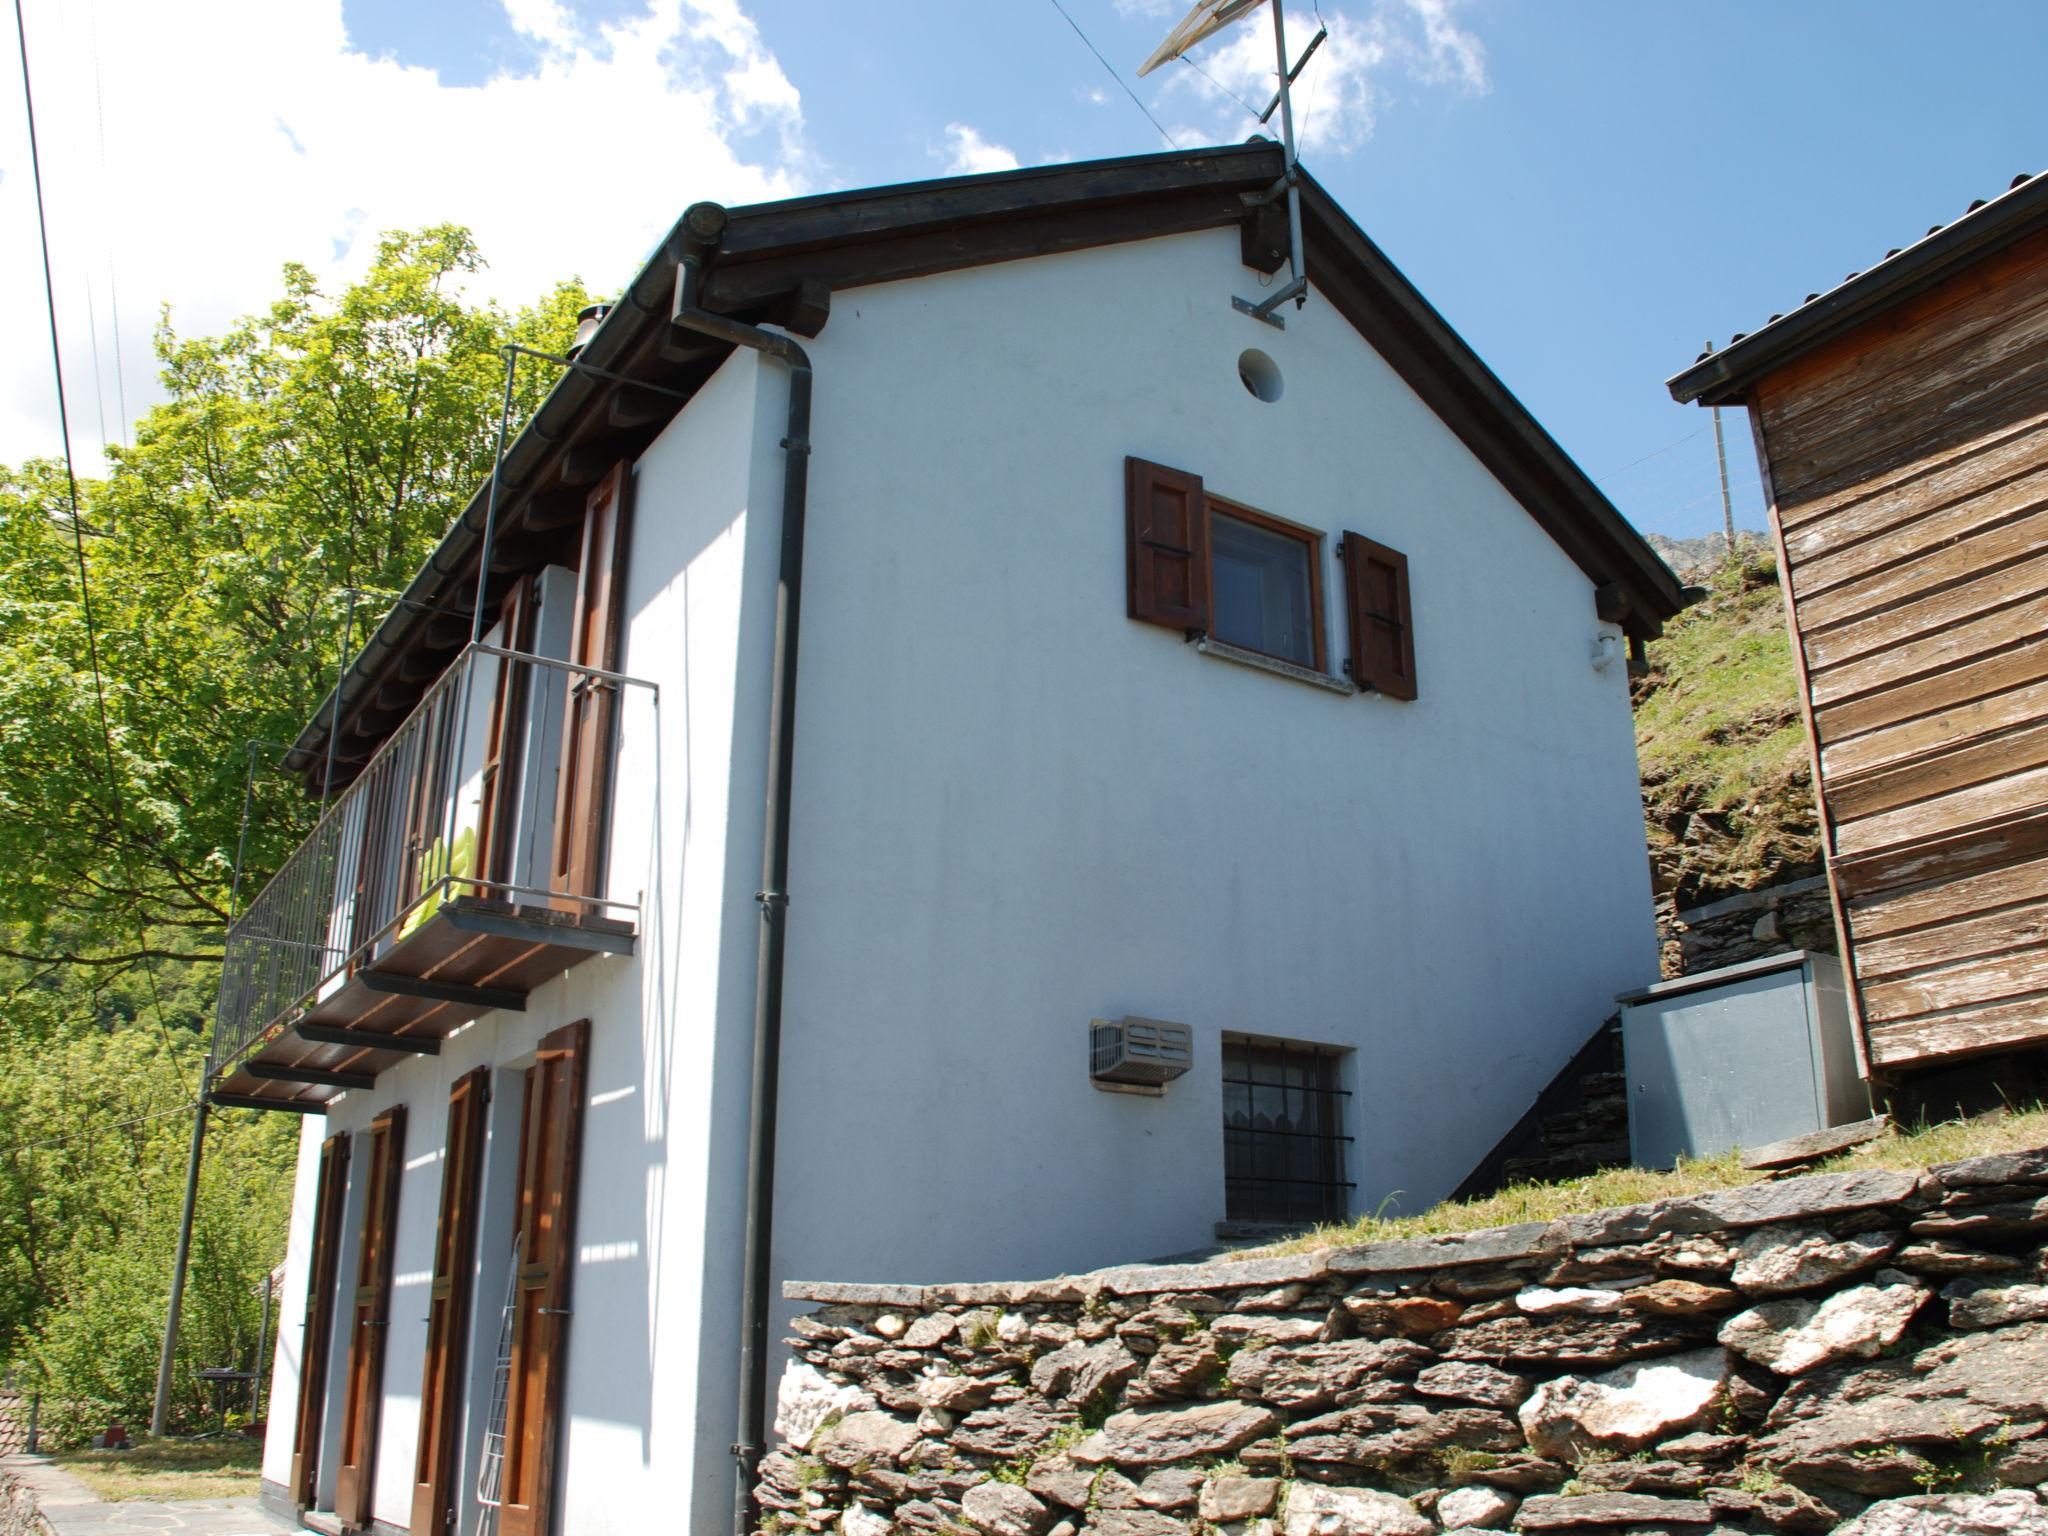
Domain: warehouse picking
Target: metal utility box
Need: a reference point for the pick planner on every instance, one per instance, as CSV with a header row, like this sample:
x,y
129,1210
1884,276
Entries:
x,y
1141,1053
1739,1056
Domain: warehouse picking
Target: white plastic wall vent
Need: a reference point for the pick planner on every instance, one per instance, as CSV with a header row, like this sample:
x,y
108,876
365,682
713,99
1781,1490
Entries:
x,y
1138,1053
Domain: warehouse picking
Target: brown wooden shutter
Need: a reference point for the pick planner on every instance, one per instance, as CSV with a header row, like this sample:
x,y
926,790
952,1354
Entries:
x,y
581,799
370,1320
1167,533
435,1468
1382,633
328,1199
498,814
550,1148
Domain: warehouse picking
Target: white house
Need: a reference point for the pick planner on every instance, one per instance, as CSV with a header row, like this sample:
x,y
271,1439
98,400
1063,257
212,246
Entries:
x,y
1155,664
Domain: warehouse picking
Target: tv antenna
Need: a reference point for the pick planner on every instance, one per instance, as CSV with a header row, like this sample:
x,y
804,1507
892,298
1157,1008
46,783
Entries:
x,y
1207,19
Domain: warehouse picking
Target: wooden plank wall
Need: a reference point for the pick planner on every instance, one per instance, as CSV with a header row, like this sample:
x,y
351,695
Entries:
x,y
1908,463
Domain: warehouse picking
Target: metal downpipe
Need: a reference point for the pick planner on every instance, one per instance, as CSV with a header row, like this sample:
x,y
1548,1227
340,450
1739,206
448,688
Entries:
x,y
704,224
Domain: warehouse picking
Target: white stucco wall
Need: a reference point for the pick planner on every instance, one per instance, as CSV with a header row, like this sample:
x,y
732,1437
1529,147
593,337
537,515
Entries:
x,y
668,1045
1018,810
288,1318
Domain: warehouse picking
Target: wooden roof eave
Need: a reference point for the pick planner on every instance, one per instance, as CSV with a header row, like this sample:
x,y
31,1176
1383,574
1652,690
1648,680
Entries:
x,y
771,251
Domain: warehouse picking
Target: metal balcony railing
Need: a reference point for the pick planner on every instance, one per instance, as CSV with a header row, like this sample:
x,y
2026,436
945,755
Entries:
x,y
465,801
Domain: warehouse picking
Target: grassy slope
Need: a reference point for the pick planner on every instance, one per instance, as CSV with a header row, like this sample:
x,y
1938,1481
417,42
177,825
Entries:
x,y
2022,1128
1727,792
164,1470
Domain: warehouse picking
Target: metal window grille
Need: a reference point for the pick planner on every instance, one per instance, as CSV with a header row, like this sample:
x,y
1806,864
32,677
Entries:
x,y
1283,1132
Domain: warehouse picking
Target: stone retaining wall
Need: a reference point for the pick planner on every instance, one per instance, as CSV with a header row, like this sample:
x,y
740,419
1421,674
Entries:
x,y
1747,926
1863,1351
19,1515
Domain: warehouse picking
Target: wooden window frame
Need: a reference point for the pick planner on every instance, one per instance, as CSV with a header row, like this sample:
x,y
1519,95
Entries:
x,y
355,1472
590,719
322,1287
1301,533
550,1165
437,1470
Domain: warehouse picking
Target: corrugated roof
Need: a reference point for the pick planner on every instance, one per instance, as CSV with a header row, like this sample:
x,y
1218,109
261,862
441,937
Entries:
x,y
1723,376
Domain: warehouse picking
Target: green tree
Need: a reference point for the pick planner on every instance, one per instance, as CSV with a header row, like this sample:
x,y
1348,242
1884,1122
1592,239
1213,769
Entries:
x,y
315,449
321,446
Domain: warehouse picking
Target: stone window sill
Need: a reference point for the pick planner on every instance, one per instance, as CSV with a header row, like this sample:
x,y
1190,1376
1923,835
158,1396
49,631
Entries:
x,y
1260,662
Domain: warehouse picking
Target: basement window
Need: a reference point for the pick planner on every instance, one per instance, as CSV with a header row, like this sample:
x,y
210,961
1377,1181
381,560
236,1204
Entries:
x,y
1283,1131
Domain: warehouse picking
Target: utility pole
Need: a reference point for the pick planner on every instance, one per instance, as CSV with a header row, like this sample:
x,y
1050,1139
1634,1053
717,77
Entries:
x,y
160,1412
1721,456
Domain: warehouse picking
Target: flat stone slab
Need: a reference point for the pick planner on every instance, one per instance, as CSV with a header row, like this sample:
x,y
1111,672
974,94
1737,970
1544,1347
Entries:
x,y
73,1509
1548,1512
1815,1145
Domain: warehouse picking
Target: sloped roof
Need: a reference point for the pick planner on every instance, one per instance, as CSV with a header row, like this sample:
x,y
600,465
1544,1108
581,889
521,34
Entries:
x,y
776,259
1724,377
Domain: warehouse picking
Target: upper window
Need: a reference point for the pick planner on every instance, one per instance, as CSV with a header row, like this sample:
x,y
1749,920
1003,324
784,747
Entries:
x,y
1265,586
1205,566
1283,1131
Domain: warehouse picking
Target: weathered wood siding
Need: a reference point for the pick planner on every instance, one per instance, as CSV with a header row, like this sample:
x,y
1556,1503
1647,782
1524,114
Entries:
x,y
1908,465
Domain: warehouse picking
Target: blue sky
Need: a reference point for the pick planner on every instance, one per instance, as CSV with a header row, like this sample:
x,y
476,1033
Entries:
x,y
1586,190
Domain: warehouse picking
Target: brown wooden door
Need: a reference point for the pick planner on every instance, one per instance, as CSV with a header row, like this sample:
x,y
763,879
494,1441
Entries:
x,y
448,1308
550,1146
369,1320
582,799
498,814
319,1331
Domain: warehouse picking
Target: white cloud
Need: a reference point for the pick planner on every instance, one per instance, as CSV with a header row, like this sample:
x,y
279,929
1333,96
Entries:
x,y
967,153
1338,97
1451,55
257,136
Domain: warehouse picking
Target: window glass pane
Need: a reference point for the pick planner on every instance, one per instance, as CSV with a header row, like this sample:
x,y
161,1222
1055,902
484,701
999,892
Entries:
x,y
1260,589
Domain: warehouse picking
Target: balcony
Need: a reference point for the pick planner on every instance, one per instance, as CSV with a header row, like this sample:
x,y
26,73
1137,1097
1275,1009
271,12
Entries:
x,y
463,868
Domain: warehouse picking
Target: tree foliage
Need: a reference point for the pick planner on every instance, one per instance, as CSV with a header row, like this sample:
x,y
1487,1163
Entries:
x,y
315,450
95,1116
318,448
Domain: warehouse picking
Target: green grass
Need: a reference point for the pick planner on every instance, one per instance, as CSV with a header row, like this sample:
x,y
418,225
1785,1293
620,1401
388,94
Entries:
x,y
163,1470
2022,1128
1727,787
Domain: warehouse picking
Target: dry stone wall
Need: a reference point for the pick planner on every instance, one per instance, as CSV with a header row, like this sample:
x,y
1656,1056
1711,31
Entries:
x,y
19,1513
1864,1352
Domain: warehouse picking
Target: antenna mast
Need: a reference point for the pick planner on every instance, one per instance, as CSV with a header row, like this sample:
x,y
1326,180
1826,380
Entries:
x,y
1207,18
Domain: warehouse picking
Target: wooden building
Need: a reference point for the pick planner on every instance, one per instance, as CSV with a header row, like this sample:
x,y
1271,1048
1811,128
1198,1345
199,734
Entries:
x,y
1901,423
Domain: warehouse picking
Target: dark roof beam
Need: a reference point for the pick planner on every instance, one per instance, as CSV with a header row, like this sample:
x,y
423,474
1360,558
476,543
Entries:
x,y
367,1039
311,1077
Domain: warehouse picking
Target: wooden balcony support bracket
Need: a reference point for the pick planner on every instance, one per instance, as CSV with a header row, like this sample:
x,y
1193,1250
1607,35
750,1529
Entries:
x,y
367,1039
311,1077
632,406
250,1101
483,999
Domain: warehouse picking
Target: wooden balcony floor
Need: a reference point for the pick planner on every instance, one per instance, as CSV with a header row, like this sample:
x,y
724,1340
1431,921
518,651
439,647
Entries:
x,y
469,957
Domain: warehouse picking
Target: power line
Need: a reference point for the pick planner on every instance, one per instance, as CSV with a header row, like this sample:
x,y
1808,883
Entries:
x,y
1632,463
95,1130
99,387
1119,79
1188,59
92,644
63,413
92,15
